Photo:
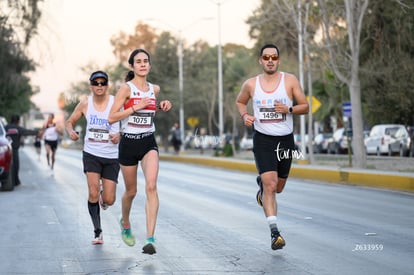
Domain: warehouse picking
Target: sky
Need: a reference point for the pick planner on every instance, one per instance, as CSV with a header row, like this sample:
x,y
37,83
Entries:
x,y
74,33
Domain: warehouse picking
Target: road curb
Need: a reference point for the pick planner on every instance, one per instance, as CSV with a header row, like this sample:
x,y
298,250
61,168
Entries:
x,y
350,176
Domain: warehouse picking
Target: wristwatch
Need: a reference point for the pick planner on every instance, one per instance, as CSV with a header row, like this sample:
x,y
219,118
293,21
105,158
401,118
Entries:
x,y
290,109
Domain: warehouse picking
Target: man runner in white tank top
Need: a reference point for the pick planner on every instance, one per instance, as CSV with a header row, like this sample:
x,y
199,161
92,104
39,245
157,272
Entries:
x,y
273,94
100,150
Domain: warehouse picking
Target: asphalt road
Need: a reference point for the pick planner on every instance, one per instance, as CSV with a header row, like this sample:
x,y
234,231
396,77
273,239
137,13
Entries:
x,y
209,223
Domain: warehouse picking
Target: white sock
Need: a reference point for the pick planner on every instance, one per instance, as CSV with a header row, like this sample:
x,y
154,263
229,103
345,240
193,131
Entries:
x,y
271,220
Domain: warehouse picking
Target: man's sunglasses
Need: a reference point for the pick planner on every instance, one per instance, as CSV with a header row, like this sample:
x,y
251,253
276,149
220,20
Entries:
x,y
99,83
267,57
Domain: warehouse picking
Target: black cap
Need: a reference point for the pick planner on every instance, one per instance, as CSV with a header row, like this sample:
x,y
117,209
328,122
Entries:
x,y
98,74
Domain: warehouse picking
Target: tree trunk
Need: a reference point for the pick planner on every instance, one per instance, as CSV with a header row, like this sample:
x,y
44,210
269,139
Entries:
x,y
358,146
355,11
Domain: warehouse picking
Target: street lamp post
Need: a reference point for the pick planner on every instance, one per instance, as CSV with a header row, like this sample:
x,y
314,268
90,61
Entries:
x,y
180,85
220,71
301,78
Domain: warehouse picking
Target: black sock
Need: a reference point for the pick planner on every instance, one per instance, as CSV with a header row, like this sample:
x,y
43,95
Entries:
x,y
274,228
95,215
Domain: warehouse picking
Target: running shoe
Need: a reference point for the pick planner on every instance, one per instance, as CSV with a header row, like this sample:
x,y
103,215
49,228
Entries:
x,y
277,241
149,246
260,192
127,235
98,238
103,205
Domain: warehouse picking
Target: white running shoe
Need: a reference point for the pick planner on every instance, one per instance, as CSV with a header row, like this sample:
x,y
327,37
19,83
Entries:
x,y
98,239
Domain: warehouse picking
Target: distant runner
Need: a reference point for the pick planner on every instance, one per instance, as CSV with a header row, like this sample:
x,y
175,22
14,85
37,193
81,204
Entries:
x,y
51,134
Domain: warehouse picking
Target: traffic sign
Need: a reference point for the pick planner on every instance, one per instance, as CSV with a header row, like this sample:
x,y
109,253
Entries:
x,y
316,104
192,121
346,109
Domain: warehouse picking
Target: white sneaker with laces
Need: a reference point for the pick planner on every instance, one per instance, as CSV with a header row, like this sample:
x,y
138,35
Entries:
x,y
98,239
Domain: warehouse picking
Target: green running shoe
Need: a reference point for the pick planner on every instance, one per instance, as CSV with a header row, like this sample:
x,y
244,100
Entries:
x,y
127,235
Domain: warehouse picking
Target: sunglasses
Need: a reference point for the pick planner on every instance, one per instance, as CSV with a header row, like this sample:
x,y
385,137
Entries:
x,y
267,57
97,83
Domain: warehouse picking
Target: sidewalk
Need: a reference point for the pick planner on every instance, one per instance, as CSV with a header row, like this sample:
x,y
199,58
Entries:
x,y
387,179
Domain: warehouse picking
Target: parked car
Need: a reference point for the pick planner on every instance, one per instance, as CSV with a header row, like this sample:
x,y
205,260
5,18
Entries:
x,y
320,143
380,138
298,142
3,120
340,141
204,142
246,143
401,142
410,130
6,156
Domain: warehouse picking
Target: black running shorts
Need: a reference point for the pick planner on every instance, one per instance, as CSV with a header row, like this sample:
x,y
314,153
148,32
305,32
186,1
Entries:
x,y
52,143
273,153
107,168
133,147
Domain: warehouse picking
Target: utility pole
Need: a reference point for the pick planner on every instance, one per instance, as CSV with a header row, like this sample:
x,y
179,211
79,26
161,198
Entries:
x,y
220,72
301,79
180,84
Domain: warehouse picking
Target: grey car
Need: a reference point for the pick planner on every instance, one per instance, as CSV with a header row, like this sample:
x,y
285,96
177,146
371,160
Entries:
x,y
400,143
382,136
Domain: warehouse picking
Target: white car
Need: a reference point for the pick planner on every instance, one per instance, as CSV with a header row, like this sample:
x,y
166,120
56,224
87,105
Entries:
x,y
381,137
320,143
246,143
401,143
340,141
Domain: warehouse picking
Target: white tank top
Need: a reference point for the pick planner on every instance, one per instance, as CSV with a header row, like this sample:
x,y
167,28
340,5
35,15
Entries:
x,y
51,133
97,140
267,121
141,121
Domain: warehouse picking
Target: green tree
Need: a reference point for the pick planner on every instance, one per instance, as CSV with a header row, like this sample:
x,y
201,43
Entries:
x,y
240,65
164,72
272,22
144,36
387,63
18,23
201,88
